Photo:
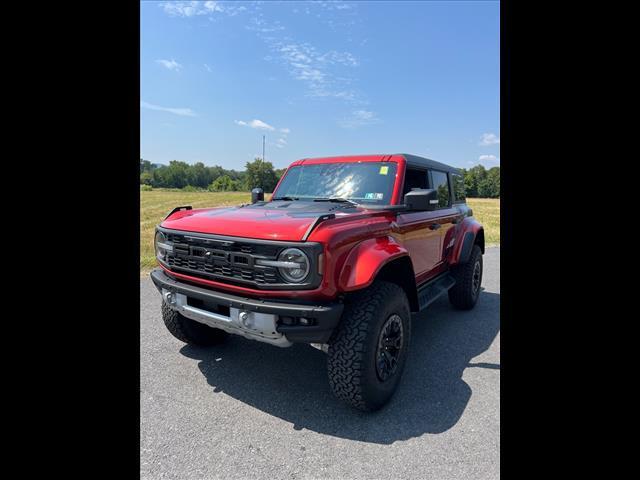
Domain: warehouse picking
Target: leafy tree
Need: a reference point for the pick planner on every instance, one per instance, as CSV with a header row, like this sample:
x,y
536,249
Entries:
x,y
494,174
260,174
480,182
223,183
146,178
280,172
145,166
490,186
198,175
172,176
215,172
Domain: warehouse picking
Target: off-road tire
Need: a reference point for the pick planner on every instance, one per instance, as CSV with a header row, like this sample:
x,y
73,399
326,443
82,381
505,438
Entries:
x,y
190,331
463,295
353,376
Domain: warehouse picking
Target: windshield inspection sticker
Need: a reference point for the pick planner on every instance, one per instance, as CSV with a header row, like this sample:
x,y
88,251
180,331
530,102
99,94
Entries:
x,y
384,170
373,196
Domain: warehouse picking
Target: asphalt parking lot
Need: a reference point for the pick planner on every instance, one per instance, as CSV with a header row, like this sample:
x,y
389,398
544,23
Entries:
x,y
251,410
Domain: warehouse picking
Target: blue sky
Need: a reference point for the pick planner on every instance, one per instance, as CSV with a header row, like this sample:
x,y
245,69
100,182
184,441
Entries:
x,y
319,79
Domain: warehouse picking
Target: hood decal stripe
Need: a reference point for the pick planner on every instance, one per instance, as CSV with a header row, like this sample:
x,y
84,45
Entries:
x,y
316,222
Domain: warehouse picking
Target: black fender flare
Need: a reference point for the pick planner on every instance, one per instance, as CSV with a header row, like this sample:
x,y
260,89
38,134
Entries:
x,y
467,246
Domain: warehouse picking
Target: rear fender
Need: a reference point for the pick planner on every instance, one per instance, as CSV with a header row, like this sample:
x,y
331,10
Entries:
x,y
470,232
366,259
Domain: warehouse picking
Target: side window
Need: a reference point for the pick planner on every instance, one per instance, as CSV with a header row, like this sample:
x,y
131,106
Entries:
x,y
440,183
414,178
458,187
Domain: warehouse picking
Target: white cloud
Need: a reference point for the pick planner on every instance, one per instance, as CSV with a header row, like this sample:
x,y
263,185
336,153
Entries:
x,y
364,114
488,158
190,9
193,9
185,112
259,25
359,118
343,58
212,6
323,72
489,139
259,124
170,64
285,131
208,68
337,16
282,141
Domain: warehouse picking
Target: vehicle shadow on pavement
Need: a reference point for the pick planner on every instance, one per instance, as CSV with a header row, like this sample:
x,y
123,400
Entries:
x,y
291,383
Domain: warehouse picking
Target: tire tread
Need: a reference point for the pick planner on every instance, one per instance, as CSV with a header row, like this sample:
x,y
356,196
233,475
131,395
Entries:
x,y
348,346
460,295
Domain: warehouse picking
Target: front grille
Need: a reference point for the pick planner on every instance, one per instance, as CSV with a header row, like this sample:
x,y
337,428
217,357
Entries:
x,y
232,261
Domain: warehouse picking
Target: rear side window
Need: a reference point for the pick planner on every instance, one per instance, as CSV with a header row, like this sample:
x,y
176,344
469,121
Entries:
x,y
458,187
440,183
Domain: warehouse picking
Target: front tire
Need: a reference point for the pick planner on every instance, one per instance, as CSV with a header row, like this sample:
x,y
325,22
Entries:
x,y
369,349
464,294
190,331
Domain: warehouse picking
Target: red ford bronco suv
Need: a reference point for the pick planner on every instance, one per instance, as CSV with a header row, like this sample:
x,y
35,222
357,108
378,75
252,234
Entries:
x,y
340,256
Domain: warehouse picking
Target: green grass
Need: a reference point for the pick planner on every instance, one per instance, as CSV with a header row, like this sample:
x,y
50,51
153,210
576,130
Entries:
x,y
487,212
154,205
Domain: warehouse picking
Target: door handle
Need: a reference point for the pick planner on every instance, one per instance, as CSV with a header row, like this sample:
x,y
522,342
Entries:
x,y
435,226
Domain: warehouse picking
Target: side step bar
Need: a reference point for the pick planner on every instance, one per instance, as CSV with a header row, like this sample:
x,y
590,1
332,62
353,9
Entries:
x,y
431,291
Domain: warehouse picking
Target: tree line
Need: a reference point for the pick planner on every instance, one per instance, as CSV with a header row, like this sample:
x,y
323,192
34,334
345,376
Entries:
x,y
216,179
478,181
481,183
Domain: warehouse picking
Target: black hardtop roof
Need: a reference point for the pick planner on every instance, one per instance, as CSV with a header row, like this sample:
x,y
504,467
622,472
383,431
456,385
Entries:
x,y
412,161
416,161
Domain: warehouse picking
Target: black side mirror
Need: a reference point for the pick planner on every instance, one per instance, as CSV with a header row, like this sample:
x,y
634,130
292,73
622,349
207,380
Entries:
x,y
257,195
420,199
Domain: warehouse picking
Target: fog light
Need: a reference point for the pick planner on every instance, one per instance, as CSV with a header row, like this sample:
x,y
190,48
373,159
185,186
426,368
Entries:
x,y
305,321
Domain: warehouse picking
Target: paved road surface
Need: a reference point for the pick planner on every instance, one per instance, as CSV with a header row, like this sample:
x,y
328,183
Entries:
x,y
250,410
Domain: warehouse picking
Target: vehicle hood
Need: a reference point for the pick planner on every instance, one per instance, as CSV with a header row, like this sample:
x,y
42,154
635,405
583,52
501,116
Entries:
x,y
279,220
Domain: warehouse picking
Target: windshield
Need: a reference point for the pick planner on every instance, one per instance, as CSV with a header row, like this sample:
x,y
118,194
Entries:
x,y
366,182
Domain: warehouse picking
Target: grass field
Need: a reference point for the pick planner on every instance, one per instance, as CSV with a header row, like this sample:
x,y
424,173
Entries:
x,y
154,205
487,212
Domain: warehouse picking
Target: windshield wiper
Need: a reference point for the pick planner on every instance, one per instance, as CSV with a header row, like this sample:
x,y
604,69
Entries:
x,y
335,200
287,199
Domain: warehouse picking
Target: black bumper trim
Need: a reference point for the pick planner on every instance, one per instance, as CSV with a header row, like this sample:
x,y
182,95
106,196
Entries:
x,y
327,316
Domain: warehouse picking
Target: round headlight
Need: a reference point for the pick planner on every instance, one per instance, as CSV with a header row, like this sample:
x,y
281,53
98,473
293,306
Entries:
x,y
162,246
298,267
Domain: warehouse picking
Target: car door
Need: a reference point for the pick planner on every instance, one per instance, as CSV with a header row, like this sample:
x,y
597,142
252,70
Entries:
x,y
419,231
428,235
447,216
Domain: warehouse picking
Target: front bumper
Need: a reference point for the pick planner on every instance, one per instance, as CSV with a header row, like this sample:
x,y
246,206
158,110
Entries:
x,y
247,316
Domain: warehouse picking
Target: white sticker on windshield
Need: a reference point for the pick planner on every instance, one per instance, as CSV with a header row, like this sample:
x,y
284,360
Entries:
x,y
373,196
